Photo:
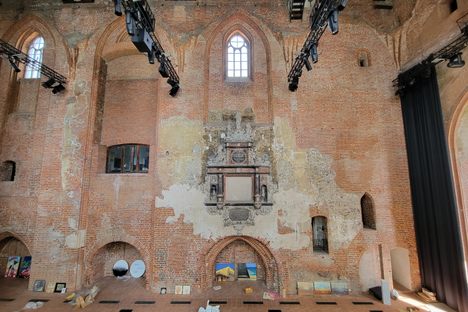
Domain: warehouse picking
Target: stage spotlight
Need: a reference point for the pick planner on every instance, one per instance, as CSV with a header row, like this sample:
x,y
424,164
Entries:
x,y
314,53
151,57
163,70
13,64
307,63
58,88
342,5
49,83
118,7
174,85
456,61
333,22
293,84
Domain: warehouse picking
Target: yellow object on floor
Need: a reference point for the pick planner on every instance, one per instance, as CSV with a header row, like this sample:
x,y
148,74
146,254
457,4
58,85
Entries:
x,y
248,290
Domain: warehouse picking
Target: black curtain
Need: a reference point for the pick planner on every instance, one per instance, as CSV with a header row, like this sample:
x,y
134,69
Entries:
x,y
434,205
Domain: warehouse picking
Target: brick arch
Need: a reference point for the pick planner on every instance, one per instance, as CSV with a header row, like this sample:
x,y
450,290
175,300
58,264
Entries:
x,y
272,274
227,26
8,234
93,252
457,171
56,49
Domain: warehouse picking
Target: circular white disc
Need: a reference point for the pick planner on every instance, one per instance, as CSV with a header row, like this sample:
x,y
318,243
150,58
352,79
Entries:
x,y
137,269
120,268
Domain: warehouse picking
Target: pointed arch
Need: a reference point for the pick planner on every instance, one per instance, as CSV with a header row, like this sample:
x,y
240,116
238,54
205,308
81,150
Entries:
x,y
457,170
272,269
237,20
237,53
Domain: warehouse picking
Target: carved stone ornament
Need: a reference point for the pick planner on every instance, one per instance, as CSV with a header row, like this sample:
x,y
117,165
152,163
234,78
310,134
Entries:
x,y
237,153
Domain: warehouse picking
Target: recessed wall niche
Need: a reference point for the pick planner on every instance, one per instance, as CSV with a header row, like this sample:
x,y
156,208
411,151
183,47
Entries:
x,y
238,168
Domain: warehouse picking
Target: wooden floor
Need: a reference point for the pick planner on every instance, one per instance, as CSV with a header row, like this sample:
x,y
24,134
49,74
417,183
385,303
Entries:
x,y
130,295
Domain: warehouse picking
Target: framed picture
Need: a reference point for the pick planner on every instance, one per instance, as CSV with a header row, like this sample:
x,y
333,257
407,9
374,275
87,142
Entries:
x,y
39,285
163,290
59,287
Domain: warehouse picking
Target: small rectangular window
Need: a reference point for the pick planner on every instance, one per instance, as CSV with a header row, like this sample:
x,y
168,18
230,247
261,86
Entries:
x,y
128,158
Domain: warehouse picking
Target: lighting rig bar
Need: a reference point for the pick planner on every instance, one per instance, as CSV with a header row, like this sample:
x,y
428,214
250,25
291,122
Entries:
x,y
452,53
324,12
140,23
14,56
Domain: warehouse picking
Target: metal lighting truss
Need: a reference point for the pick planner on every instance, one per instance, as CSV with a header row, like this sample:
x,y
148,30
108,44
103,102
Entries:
x,y
447,53
140,23
324,12
9,52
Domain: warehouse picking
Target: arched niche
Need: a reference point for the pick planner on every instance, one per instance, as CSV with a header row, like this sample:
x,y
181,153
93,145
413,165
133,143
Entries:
x,y
369,269
255,92
23,97
261,251
104,259
11,245
401,271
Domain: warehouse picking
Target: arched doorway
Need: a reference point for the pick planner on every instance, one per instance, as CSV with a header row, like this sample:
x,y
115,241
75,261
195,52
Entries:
x,y
103,261
241,250
15,261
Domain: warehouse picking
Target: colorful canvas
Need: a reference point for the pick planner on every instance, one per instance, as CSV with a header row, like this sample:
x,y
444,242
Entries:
x,y
225,269
25,267
339,288
322,288
12,266
252,271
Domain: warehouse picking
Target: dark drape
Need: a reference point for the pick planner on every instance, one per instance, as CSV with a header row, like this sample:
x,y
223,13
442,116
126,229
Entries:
x,y
434,206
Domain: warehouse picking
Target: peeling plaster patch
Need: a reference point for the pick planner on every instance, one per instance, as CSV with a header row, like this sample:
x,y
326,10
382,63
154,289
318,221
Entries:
x,y
305,180
76,239
189,201
72,223
182,138
116,185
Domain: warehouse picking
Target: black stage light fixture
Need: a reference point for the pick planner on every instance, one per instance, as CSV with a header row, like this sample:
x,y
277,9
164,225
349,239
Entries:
x,y
293,84
49,83
307,63
163,70
13,64
58,88
342,5
175,87
456,61
314,53
333,22
118,7
151,57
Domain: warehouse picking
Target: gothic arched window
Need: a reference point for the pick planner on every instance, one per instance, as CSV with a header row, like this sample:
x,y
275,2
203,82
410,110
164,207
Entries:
x,y
35,51
238,59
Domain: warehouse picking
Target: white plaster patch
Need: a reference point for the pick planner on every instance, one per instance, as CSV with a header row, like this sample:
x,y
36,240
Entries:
x,y
72,223
76,239
189,202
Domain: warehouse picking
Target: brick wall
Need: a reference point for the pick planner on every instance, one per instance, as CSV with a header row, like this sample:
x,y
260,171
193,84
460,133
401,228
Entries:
x,y
339,136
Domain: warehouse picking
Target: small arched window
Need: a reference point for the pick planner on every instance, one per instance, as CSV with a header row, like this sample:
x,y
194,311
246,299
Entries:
x,y
128,158
368,212
320,234
35,51
364,58
8,171
238,59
